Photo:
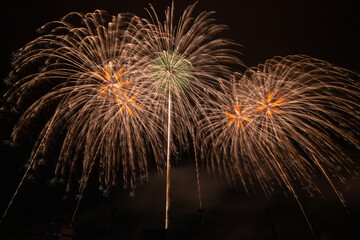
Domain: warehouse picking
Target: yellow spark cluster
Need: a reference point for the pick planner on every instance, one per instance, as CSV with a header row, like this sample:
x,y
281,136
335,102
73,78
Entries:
x,y
127,103
114,85
269,106
239,117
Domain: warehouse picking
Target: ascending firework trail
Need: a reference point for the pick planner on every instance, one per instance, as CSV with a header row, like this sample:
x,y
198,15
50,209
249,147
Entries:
x,y
184,64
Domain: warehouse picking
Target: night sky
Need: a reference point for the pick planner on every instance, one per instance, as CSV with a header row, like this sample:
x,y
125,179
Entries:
x,y
328,30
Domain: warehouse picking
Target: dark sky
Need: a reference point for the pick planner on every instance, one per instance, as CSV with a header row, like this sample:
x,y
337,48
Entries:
x,y
329,30
326,29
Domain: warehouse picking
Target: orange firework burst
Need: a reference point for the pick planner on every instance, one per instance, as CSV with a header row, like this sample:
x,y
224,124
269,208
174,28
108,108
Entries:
x,y
291,109
112,80
90,102
239,117
269,105
297,105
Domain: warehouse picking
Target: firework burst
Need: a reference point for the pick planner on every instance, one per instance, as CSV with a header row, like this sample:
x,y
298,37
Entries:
x,y
276,124
182,63
87,96
186,60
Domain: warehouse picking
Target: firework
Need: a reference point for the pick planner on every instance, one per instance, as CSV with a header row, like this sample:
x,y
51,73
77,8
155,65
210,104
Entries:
x,y
182,63
87,96
277,123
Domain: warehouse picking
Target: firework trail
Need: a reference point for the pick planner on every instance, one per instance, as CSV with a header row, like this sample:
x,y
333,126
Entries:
x,y
278,124
182,63
87,99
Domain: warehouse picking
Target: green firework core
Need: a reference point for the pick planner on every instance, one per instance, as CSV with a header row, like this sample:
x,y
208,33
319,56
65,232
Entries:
x,y
171,72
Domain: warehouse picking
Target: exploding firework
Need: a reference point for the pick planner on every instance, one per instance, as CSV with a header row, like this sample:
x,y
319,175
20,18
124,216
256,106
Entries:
x,y
186,60
87,97
182,63
278,123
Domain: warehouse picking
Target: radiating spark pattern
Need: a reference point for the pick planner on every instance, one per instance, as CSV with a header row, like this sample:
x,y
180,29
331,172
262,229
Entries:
x,y
171,72
270,105
88,98
128,104
102,88
186,58
182,62
280,122
112,80
107,89
239,117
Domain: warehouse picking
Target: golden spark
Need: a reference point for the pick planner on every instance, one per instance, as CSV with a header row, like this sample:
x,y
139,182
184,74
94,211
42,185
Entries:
x,y
128,103
112,80
239,117
270,105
